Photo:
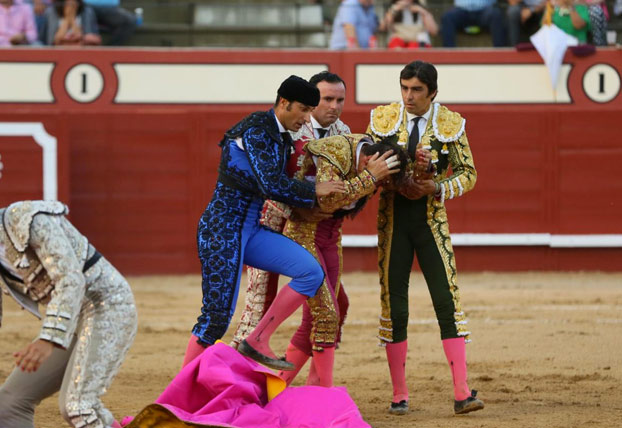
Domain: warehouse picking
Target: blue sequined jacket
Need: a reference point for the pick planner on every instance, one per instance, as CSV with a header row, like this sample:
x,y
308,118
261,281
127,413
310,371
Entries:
x,y
259,169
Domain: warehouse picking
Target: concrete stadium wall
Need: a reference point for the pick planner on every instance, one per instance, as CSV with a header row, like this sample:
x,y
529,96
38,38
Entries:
x,y
128,139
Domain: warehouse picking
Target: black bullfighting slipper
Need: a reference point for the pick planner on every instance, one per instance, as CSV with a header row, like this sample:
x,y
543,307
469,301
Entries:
x,y
400,408
470,404
248,351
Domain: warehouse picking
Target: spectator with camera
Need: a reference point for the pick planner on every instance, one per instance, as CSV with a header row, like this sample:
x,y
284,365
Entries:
x,y
410,24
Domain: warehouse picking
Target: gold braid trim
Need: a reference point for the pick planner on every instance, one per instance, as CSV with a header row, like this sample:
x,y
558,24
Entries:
x,y
325,323
336,150
437,221
385,235
448,125
340,255
385,119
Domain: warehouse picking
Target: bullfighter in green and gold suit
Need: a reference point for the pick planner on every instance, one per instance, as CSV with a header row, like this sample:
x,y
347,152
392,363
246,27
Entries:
x,y
412,220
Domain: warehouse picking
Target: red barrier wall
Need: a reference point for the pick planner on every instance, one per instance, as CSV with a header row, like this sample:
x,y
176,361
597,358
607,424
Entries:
x,y
137,176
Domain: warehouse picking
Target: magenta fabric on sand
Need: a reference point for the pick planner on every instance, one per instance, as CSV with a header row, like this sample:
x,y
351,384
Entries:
x,y
222,387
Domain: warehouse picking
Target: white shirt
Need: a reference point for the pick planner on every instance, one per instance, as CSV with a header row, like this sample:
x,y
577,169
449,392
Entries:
x,y
316,125
281,127
422,124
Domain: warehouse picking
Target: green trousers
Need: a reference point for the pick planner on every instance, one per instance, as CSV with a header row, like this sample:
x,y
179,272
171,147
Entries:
x,y
412,235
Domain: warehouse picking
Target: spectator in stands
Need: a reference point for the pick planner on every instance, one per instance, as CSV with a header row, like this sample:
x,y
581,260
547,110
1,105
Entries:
x,y
466,13
524,18
598,21
17,23
355,25
39,7
70,22
410,24
114,20
573,18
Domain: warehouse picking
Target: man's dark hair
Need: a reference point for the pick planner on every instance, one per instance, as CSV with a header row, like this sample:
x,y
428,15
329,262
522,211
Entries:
x,y
59,5
384,146
326,76
424,71
278,98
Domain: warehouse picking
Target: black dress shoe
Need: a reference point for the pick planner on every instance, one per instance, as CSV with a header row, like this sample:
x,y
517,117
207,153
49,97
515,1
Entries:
x,y
470,404
247,350
400,408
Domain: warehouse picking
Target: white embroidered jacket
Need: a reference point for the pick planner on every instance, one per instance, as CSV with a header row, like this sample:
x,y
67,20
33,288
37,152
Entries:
x,y
46,254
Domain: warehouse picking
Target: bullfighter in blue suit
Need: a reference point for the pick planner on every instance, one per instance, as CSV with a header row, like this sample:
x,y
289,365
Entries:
x,y
252,169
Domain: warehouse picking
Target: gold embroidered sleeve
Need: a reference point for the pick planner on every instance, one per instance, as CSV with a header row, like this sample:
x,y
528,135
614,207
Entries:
x,y
62,266
464,175
356,187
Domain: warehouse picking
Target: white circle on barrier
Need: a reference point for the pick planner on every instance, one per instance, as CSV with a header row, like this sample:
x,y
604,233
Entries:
x,y
84,83
601,83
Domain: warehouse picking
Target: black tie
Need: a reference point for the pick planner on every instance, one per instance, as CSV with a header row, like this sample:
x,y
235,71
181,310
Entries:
x,y
321,132
287,139
413,139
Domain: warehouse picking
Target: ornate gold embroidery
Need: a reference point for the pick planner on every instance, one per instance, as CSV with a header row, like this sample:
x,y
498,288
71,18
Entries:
x,y
337,150
384,118
449,124
385,234
335,161
437,221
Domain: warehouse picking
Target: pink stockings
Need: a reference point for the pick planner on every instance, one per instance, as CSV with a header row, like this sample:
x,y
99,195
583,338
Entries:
x,y
455,351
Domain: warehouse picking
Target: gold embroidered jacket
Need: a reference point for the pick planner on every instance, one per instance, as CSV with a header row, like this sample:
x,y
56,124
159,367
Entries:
x,y
445,138
333,158
336,160
275,211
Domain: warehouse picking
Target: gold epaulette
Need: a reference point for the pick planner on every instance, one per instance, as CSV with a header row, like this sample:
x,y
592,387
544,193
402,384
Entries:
x,y
385,120
336,149
448,125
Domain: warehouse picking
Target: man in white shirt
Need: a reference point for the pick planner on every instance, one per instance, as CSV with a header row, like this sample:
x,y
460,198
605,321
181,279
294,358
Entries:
x,y
412,220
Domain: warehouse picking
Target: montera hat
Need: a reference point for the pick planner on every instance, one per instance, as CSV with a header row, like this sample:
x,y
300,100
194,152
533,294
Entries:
x,y
296,88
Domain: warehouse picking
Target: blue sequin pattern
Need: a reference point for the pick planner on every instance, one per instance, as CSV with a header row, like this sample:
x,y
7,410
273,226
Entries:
x,y
245,176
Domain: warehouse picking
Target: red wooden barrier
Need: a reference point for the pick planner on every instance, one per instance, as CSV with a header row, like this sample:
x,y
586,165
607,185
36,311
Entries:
x,y
137,164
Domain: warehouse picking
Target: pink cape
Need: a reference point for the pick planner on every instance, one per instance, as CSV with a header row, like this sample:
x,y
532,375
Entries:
x,y
225,389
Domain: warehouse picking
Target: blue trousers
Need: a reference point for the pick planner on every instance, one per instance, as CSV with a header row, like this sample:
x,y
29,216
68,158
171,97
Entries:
x,y
229,236
490,18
